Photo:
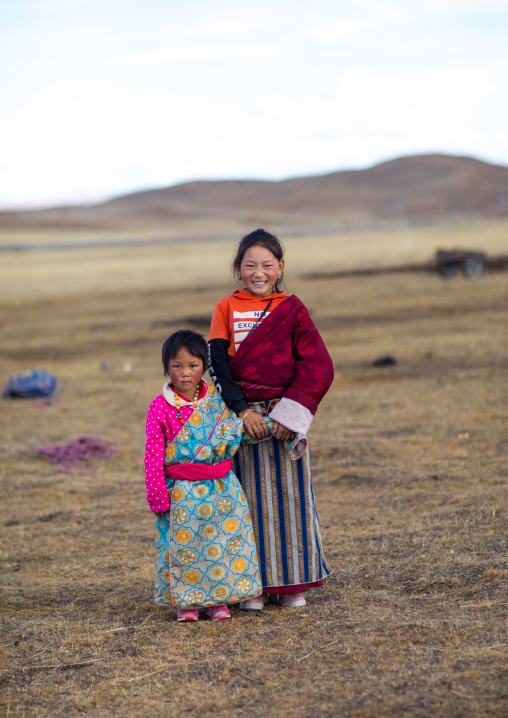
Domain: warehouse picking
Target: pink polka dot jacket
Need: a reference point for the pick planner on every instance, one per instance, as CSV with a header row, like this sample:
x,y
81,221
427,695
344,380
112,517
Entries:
x,y
162,423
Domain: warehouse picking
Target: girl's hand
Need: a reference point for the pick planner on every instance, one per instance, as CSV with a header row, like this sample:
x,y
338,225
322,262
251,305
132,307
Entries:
x,y
282,433
254,424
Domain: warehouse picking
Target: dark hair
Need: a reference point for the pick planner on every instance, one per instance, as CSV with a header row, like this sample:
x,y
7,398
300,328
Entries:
x,y
193,342
258,238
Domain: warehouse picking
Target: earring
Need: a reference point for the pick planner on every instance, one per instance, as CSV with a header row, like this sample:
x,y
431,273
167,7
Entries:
x,y
239,279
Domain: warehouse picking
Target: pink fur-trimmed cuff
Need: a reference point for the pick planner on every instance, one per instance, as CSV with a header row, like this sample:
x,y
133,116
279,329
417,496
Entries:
x,y
292,415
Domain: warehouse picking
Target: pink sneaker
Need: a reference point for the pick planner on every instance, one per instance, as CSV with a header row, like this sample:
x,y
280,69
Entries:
x,y
218,613
292,600
188,614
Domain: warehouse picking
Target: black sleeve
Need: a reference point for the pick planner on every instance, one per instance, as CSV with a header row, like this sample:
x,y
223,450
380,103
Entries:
x,y
220,374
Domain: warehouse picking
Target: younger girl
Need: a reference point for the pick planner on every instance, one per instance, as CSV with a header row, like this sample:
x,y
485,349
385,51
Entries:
x,y
206,548
266,358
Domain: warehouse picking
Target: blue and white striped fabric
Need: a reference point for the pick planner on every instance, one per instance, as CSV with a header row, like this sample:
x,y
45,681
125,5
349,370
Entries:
x,y
286,524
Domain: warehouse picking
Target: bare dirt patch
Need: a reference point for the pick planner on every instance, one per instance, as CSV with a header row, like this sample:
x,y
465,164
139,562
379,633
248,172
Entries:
x,y
410,466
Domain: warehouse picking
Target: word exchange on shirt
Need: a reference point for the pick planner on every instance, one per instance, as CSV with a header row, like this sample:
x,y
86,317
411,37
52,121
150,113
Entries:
x,y
243,322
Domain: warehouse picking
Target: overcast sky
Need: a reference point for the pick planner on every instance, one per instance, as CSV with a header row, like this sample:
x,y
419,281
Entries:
x,y
102,97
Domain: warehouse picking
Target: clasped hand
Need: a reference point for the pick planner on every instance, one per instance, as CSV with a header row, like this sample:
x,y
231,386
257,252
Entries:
x,y
256,425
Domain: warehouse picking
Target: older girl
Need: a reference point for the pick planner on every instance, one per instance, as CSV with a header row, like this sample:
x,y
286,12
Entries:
x,y
267,359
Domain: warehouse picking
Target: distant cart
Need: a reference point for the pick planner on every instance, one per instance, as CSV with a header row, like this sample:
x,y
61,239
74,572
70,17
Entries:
x,y
471,264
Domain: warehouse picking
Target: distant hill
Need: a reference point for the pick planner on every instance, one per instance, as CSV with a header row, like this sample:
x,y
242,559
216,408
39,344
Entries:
x,y
419,189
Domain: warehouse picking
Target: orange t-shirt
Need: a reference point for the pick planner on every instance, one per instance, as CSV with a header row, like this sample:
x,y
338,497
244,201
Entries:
x,y
234,316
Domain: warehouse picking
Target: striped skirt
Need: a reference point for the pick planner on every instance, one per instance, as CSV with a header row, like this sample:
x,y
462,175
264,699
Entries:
x,y
286,524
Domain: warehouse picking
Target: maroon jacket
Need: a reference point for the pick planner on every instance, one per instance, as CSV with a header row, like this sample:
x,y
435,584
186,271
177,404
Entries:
x,y
284,356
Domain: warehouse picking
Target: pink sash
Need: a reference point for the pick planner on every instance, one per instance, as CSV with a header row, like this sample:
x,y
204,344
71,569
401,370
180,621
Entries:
x,y
198,472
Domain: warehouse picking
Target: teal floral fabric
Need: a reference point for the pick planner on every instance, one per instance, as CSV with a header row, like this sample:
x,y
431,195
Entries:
x,y
205,543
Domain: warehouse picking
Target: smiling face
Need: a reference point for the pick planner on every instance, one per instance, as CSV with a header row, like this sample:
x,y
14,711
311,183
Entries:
x,y
185,372
259,270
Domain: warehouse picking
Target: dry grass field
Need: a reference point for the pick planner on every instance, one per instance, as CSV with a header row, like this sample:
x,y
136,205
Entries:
x,y
74,272
410,471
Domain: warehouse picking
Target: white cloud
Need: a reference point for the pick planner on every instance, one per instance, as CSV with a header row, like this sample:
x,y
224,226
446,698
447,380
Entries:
x,y
358,84
278,105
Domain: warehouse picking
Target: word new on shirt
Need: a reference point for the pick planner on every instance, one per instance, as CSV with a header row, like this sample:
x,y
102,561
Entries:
x,y
243,322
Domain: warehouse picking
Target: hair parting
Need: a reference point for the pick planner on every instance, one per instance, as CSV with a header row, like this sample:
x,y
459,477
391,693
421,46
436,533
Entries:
x,y
258,238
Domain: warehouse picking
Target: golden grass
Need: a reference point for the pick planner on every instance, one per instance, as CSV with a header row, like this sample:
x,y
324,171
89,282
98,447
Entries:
x,y
41,274
67,273
414,520
392,248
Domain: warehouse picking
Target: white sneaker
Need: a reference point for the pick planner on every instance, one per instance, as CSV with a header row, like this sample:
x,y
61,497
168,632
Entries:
x,y
292,600
254,604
